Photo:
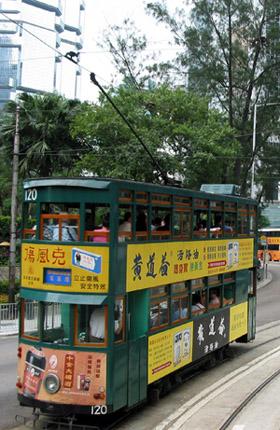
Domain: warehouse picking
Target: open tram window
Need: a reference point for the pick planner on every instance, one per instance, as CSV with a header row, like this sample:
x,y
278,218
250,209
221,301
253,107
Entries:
x,y
253,221
214,297
200,228
60,222
161,224
56,328
198,308
90,324
142,222
30,321
125,222
97,222
242,219
229,294
119,319
159,314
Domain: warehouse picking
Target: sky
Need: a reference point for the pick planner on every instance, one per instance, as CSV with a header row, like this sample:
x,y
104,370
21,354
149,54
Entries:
x,y
101,14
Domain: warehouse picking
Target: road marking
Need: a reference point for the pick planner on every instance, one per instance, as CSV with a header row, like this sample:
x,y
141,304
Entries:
x,y
238,427
189,408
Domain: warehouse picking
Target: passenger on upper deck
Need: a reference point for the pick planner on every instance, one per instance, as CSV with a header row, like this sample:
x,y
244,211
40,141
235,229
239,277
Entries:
x,y
214,299
166,224
104,228
125,226
219,225
69,233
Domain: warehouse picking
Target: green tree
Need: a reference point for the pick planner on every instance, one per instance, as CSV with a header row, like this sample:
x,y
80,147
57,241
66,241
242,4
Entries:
x,y
46,146
185,136
231,53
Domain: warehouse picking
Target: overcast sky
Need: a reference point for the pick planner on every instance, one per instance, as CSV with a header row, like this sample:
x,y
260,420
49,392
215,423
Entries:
x,y
101,14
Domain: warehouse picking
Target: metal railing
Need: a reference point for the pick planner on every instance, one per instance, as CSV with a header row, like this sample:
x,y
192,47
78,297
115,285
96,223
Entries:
x,y
9,317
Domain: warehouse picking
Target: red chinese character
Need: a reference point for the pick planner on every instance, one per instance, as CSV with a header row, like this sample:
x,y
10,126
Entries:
x,y
58,256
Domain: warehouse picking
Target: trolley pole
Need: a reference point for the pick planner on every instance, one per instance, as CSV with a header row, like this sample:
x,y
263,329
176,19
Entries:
x,y
13,235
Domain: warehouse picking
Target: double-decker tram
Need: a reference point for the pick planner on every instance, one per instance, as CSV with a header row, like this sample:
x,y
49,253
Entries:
x,y
130,284
272,246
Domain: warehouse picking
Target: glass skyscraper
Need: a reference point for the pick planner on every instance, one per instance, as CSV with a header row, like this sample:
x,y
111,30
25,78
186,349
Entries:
x,y
34,37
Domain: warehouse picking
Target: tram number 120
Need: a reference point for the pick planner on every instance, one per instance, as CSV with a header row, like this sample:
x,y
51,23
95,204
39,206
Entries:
x,y
99,410
30,195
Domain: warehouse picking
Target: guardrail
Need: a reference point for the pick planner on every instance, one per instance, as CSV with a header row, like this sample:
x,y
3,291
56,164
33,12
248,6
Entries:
x,y
9,317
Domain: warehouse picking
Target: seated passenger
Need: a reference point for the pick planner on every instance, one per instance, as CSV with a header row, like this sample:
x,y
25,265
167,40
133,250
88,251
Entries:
x,y
176,312
104,228
214,299
219,225
125,226
97,324
166,224
69,233
197,305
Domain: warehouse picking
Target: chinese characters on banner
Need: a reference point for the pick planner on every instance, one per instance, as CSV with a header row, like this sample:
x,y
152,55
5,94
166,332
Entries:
x,y
151,265
63,268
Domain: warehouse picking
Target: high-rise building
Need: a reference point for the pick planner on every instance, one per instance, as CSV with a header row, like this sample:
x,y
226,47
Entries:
x,y
34,38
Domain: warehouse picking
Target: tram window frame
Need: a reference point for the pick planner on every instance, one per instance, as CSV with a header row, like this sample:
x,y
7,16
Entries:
x,y
30,233
228,302
160,291
160,233
201,292
185,225
25,316
200,227
182,201
119,332
242,224
158,303
252,221
53,330
215,279
125,236
230,221
198,283
229,276
215,289
86,313
180,307
58,221
98,211
179,287
142,212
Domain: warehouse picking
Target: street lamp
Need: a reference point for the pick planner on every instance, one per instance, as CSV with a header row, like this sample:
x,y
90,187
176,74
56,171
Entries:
x,y
254,142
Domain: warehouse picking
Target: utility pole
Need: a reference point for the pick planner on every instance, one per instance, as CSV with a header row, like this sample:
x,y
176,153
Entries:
x,y
13,234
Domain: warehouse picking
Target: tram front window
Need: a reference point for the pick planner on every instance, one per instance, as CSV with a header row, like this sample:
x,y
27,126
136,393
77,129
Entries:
x,y
31,319
56,323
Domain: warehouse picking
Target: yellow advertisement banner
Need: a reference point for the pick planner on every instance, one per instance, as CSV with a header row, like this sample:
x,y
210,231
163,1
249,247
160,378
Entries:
x,y
273,240
238,321
65,268
169,350
154,264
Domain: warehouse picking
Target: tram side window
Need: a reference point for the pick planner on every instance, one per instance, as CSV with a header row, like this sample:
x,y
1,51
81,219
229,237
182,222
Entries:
x,y
29,221
198,308
97,222
56,328
228,294
125,223
182,224
161,223
30,322
215,297
119,320
60,222
142,222
200,224
159,314
180,308
91,324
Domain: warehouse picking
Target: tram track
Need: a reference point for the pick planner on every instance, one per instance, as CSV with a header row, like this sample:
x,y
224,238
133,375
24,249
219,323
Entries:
x,y
237,411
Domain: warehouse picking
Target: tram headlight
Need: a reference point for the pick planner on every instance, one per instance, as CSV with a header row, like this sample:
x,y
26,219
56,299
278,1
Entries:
x,y
51,384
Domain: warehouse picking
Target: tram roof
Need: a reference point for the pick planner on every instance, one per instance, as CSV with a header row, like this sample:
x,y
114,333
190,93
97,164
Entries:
x,y
105,183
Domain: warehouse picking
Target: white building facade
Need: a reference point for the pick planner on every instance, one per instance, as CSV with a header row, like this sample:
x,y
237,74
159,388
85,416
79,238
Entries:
x,y
34,37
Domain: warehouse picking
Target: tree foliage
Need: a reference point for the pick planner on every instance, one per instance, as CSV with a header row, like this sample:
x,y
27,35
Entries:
x,y
46,146
231,51
185,136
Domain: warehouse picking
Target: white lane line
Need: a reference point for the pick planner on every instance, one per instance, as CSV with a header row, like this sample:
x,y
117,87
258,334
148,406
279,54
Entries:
x,y
194,404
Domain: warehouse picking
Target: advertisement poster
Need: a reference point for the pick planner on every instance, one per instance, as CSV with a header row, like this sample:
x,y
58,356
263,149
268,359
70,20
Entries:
x,y
155,264
238,321
210,333
82,375
168,351
63,268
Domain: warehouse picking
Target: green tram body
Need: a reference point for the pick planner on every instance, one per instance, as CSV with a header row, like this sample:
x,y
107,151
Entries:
x,y
138,280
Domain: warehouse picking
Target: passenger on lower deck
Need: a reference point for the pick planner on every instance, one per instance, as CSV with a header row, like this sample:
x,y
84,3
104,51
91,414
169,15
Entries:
x,y
104,228
197,305
97,325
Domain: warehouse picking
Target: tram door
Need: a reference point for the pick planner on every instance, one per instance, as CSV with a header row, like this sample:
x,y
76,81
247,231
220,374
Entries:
x,y
137,346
